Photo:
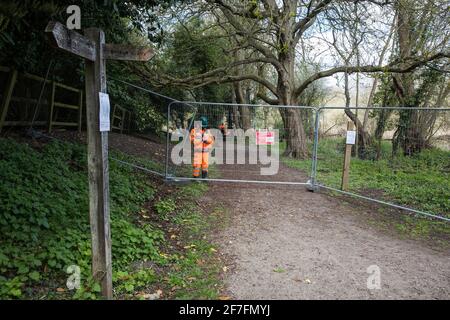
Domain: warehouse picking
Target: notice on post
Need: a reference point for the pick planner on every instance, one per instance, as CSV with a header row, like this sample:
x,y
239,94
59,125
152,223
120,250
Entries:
x,y
351,137
105,108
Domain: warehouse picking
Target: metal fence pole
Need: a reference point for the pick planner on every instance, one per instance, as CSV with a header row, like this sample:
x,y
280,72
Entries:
x,y
314,186
166,174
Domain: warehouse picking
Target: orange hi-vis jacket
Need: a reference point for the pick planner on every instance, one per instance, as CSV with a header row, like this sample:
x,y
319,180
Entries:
x,y
202,141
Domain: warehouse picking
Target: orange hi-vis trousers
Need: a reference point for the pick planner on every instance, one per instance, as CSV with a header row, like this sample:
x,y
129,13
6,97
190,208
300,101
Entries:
x,y
202,141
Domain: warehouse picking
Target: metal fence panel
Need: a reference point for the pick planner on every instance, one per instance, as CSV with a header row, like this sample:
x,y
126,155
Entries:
x,y
248,146
402,158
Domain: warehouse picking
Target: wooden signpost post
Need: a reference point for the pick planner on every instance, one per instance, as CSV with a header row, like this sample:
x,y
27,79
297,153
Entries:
x,y
93,49
350,141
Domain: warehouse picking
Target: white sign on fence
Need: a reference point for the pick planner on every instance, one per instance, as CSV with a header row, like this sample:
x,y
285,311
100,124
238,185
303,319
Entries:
x,y
105,108
351,137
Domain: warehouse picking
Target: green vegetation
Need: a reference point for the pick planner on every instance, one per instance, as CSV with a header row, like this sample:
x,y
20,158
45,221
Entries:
x,y
196,268
421,181
44,228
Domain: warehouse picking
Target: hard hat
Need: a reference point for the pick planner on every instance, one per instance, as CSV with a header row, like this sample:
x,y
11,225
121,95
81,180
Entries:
x,y
204,121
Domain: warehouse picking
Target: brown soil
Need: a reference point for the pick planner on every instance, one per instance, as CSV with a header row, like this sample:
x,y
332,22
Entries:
x,y
288,243
284,242
132,145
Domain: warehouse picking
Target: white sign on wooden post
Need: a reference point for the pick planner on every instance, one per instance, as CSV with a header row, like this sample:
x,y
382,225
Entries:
x,y
351,137
105,122
95,51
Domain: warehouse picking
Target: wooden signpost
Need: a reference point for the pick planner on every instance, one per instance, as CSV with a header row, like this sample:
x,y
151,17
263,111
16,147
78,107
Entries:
x,y
350,141
93,49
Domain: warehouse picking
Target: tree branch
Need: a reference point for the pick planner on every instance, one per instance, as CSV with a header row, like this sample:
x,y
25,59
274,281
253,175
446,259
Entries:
x,y
243,32
302,25
395,67
203,80
266,99
242,11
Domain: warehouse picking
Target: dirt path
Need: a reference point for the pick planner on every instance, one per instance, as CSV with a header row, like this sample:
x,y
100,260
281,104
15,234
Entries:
x,y
284,242
287,243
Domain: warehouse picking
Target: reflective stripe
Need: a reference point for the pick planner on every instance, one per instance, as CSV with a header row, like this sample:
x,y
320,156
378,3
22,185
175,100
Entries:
x,y
196,171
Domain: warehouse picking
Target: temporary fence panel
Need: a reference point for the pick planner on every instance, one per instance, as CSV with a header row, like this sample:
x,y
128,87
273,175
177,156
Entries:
x,y
249,141
401,156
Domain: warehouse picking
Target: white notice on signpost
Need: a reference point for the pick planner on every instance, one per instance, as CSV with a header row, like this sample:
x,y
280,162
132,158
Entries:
x,y
104,112
351,137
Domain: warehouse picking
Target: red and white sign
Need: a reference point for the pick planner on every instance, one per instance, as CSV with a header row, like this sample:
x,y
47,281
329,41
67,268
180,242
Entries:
x,y
265,137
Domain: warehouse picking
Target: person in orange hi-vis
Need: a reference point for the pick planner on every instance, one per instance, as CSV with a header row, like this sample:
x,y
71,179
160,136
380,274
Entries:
x,y
202,140
223,130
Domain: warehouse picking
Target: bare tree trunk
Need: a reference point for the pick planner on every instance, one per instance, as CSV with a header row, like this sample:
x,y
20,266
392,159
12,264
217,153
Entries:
x,y
407,135
296,146
360,145
364,138
245,119
235,111
244,112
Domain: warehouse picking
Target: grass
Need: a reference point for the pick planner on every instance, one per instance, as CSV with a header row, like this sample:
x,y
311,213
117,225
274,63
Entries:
x,y
44,228
421,181
195,269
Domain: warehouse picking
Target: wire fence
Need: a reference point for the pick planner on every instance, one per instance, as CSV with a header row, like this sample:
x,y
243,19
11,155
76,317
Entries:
x,y
248,141
401,156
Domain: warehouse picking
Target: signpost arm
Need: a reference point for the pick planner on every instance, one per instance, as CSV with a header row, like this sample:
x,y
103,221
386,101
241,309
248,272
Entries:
x,y
99,211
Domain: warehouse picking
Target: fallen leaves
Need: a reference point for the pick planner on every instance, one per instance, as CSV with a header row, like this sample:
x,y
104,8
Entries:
x,y
200,262
150,296
164,255
306,280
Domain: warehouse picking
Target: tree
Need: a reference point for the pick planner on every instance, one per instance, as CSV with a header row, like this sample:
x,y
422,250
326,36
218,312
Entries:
x,y
269,33
417,30
23,43
22,39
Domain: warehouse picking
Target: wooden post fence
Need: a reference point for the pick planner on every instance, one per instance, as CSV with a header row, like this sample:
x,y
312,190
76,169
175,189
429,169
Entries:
x,y
15,80
7,94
